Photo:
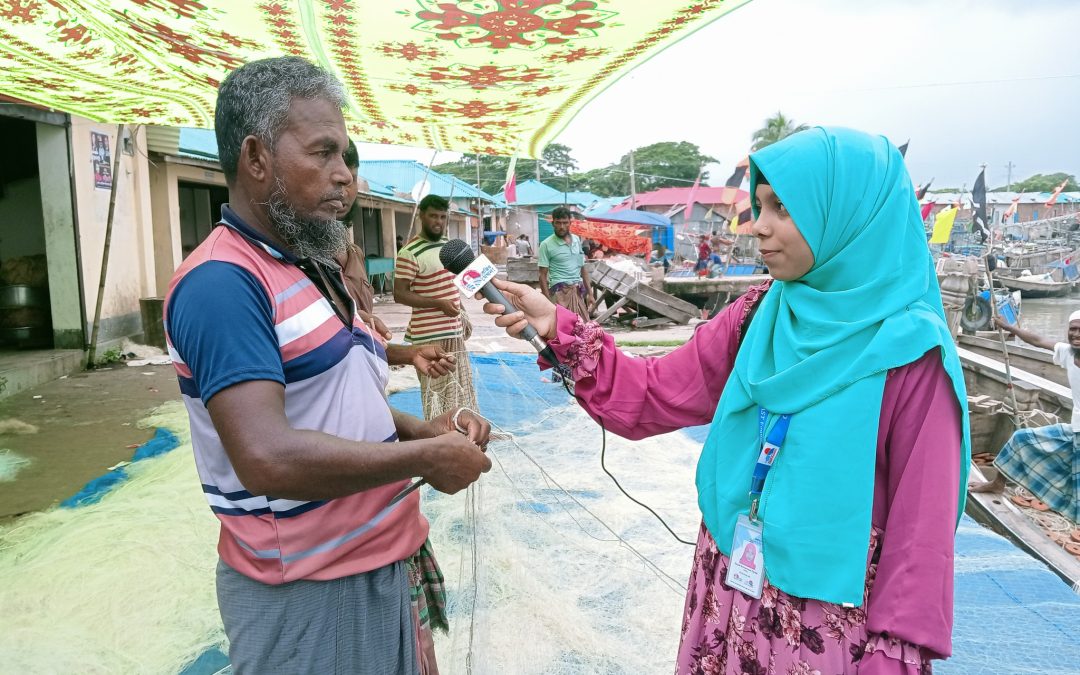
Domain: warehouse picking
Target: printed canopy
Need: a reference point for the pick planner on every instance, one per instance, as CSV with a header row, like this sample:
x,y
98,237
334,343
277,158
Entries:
x,y
487,76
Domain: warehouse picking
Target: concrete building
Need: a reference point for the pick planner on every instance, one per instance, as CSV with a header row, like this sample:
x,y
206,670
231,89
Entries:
x,y
55,189
1030,206
530,213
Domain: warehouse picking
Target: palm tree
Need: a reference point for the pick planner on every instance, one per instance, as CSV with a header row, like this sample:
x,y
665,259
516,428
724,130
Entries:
x,y
776,128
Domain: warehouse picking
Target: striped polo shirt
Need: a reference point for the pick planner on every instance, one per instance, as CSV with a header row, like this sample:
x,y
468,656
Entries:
x,y
418,263
239,310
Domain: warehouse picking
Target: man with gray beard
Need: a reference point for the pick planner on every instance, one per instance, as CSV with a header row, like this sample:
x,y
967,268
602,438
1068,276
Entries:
x,y
325,564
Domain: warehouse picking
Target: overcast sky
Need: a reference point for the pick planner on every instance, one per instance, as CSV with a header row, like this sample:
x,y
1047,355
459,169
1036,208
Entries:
x,y
970,82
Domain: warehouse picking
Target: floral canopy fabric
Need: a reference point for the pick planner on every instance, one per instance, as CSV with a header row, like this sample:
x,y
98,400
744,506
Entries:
x,y
486,76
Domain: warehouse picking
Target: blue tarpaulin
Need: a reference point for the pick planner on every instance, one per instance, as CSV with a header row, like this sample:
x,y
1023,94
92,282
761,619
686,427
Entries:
x,y
1012,615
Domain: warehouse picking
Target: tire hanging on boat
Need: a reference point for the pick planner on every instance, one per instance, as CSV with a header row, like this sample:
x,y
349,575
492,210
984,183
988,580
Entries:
x,y
977,314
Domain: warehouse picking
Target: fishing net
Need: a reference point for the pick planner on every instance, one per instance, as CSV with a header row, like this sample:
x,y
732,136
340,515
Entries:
x,y
123,585
11,463
549,568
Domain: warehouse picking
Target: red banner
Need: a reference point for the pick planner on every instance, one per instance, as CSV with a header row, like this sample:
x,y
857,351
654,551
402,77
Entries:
x,y
629,238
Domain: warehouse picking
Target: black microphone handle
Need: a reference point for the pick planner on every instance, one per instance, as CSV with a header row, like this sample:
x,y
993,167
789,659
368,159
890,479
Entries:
x,y
494,295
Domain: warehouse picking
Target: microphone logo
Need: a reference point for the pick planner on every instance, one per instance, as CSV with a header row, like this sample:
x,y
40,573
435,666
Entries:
x,y
479,272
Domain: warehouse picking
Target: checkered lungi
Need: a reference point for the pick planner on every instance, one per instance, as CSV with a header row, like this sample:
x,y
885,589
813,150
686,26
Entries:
x,y
1046,461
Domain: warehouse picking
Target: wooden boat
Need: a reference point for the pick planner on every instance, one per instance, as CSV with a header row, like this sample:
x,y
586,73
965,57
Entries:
x,y
989,407
1037,276
651,306
1029,359
1037,285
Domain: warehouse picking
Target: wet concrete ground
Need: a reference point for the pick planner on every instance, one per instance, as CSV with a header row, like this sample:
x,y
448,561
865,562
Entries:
x,y
85,424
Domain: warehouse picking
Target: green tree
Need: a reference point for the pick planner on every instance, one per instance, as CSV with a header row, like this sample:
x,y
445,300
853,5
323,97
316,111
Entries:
x,y
1045,183
665,164
777,128
556,160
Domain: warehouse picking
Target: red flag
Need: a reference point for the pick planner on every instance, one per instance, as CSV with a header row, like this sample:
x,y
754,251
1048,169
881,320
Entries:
x,y
510,193
926,209
1057,191
1011,210
688,212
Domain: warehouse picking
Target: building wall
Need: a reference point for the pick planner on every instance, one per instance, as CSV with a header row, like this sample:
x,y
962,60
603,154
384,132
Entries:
x,y
522,220
165,176
61,245
130,271
1024,212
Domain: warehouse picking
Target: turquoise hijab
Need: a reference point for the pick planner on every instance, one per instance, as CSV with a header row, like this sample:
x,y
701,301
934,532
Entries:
x,y
820,348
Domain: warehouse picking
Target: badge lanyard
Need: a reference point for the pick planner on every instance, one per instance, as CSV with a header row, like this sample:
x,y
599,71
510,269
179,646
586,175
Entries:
x,y
770,448
746,571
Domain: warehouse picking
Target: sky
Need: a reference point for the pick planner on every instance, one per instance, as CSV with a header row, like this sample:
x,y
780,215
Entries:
x,y
969,82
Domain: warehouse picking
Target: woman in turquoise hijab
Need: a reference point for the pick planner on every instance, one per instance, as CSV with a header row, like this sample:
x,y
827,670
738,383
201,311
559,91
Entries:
x,y
830,482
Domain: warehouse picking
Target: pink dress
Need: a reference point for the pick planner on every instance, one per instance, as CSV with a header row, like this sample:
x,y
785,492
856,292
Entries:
x,y
906,618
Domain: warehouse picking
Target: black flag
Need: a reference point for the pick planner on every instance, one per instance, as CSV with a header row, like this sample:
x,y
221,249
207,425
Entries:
x,y
978,207
736,178
921,192
734,182
903,149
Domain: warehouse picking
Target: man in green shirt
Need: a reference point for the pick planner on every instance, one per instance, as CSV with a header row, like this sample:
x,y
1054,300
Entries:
x,y
563,277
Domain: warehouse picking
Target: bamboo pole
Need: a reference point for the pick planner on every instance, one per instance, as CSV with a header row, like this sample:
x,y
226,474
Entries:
x,y
91,353
1001,338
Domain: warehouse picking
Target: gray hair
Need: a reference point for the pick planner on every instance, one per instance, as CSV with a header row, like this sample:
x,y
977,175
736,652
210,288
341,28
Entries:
x,y
254,101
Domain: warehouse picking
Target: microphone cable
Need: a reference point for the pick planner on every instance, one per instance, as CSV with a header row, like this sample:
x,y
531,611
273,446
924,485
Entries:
x,y
564,372
603,450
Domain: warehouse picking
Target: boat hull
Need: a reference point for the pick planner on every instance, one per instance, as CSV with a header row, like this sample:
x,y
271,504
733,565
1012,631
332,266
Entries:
x,y
1038,289
991,393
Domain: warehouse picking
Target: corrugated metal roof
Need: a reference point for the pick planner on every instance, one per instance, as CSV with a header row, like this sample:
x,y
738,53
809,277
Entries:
x,y
534,193
603,205
198,143
400,175
671,196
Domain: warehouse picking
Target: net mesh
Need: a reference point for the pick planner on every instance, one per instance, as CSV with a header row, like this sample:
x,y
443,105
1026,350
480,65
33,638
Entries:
x,y
549,568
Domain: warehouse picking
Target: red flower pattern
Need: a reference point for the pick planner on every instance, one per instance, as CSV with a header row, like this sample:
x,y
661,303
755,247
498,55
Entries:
x,y
485,124
527,24
73,32
20,11
410,51
483,77
574,55
184,8
411,89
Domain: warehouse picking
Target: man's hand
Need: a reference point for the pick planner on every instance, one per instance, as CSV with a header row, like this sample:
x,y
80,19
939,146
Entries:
x,y
534,309
476,427
449,307
376,324
431,360
457,462
1004,325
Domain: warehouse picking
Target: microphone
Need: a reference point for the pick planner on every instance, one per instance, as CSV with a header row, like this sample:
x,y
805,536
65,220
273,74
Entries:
x,y
475,275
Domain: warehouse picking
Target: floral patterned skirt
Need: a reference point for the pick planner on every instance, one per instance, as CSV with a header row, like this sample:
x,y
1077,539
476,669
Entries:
x,y
726,632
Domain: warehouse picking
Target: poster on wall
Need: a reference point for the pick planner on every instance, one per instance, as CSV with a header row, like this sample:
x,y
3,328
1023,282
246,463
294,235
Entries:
x,y
99,157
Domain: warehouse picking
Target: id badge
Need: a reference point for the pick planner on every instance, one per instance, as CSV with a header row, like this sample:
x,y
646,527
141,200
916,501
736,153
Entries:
x,y
746,571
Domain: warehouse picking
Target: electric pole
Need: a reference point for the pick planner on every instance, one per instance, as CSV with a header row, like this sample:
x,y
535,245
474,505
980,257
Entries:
x,y
1008,168
633,183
